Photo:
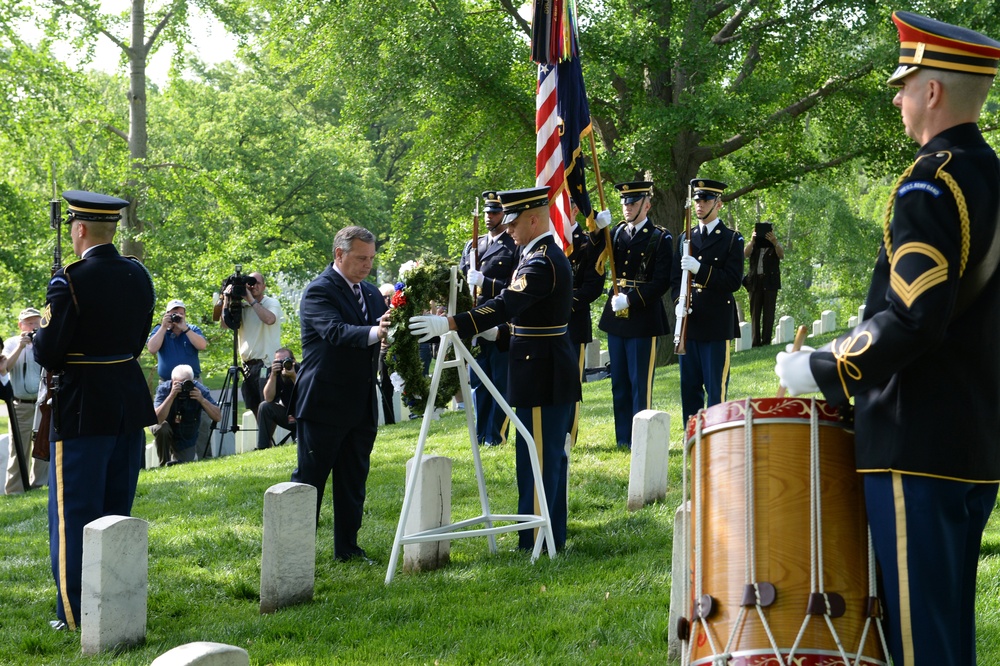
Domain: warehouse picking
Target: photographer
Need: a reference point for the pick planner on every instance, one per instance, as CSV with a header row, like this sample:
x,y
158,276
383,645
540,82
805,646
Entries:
x,y
257,319
176,342
179,403
763,280
18,360
277,392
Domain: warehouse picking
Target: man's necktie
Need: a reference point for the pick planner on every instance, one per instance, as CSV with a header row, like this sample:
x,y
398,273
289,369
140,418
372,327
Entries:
x,y
361,300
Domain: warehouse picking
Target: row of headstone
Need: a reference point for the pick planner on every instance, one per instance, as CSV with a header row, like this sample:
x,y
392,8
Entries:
x,y
785,330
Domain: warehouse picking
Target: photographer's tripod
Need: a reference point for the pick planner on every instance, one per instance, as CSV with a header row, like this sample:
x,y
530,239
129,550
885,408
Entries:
x,y
228,402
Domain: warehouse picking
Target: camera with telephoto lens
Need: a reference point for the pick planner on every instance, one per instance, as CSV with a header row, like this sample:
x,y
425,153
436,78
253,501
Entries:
x,y
186,387
175,318
287,365
239,283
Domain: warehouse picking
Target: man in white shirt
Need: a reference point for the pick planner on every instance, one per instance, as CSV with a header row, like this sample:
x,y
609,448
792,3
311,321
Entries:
x,y
259,333
18,361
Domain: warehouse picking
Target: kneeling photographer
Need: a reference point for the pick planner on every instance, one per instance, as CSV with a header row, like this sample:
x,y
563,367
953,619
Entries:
x,y
257,320
180,403
277,391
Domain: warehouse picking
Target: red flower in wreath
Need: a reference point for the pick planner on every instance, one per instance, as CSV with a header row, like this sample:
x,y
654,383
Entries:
x,y
398,299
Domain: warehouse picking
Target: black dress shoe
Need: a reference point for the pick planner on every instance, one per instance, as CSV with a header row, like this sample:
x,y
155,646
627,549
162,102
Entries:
x,y
359,554
58,625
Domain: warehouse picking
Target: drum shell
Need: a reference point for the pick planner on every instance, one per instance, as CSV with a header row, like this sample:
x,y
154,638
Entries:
x,y
780,460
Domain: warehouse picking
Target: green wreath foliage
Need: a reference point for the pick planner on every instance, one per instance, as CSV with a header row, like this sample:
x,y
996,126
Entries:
x,y
423,286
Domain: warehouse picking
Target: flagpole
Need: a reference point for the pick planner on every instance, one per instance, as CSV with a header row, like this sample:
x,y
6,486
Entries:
x,y
607,230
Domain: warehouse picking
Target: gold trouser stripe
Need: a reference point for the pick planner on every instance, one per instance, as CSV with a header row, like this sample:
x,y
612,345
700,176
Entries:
x,y
903,573
536,433
503,428
649,374
576,410
725,371
61,512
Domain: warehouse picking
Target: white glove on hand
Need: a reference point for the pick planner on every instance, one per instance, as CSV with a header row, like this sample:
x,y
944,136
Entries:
x,y
790,348
490,334
603,219
794,372
689,263
475,278
426,327
619,302
679,311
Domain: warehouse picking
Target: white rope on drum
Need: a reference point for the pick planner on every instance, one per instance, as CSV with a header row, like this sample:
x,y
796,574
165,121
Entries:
x,y
872,594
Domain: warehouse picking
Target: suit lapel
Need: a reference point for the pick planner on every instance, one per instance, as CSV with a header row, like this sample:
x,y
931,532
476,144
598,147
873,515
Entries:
x,y
347,293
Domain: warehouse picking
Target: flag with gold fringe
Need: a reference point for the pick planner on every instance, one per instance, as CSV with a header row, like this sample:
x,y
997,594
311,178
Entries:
x,y
562,115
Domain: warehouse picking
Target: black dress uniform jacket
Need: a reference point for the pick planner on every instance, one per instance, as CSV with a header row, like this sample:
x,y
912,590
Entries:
x,y
497,261
588,282
713,304
97,317
642,264
770,279
543,365
924,365
336,379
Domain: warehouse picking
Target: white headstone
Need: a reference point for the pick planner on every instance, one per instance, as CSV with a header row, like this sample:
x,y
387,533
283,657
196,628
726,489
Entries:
x,y
592,355
861,312
745,341
246,438
817,327
605,358
829,319
430,507
114,582
204,653
647,479
152,457
223,444
4,454
280,434
679,581
288,549
786,330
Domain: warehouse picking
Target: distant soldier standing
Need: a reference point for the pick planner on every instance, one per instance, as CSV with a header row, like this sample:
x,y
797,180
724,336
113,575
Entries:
x,y
101,403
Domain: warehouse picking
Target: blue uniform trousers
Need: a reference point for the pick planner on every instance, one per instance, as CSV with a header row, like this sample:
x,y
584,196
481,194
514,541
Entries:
x,y
549,426
927,532
89,478
632,361
491,422
704,370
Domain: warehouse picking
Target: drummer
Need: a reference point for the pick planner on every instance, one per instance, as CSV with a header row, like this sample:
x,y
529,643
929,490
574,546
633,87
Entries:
x,y
930,458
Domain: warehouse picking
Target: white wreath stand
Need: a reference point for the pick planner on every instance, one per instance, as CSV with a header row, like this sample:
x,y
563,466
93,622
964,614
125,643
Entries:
x,y
467,528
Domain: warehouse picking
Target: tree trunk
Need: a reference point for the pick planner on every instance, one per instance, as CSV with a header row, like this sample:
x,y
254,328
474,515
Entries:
x,y
138,139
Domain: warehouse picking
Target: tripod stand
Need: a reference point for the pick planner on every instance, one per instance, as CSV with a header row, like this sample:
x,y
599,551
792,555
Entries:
x,y
228,401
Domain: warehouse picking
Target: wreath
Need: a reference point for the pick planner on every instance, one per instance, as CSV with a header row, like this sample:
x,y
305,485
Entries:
x,y
425,284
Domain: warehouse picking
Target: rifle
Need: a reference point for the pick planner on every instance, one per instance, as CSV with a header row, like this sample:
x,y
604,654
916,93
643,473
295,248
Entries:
x,y
475,248
40,445
680,327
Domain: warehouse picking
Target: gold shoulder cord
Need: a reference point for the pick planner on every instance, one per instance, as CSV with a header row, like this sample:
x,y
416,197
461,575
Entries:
x,y
963,211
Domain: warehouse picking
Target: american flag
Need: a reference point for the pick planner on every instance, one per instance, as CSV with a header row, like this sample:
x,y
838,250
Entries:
x,y
562,116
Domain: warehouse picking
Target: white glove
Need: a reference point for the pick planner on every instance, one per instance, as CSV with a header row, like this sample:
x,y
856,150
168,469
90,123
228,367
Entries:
x,y
603,219
475,278
619,302
679,311
790,348
689,263
490,334
794,373
426,327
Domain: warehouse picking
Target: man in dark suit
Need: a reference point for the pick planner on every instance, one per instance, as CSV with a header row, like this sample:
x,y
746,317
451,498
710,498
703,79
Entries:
x,y
497,259
101,403
763,280
334,399
635,316
923,366
716,265
544,382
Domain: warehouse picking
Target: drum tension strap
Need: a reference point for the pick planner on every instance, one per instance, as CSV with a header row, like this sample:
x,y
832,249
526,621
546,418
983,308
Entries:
x,y
759,594
829,603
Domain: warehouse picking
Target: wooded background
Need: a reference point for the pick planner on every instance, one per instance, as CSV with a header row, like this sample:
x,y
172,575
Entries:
x,y
396,115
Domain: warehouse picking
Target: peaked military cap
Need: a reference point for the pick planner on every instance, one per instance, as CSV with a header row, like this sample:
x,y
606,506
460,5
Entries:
x,y
493,204
516,202
703,188
635,190
93,207
925,42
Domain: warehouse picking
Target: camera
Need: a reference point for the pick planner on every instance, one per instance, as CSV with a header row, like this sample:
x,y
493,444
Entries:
x,y
186,387
762,229
239,283
31,335
287,365
175,318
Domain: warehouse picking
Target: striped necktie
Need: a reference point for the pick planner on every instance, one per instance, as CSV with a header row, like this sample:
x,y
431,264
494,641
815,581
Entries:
x,y
361,300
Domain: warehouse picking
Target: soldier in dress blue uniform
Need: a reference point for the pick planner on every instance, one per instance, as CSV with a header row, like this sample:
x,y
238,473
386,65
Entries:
x,y
97,316
497,259
635,316
927,447
544,381
587,262
716,264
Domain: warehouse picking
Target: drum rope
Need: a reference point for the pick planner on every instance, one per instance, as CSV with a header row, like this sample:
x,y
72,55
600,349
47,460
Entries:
x,y
698,481
872,594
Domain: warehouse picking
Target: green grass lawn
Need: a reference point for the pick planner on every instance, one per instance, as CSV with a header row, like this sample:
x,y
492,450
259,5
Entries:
x,y
602,601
